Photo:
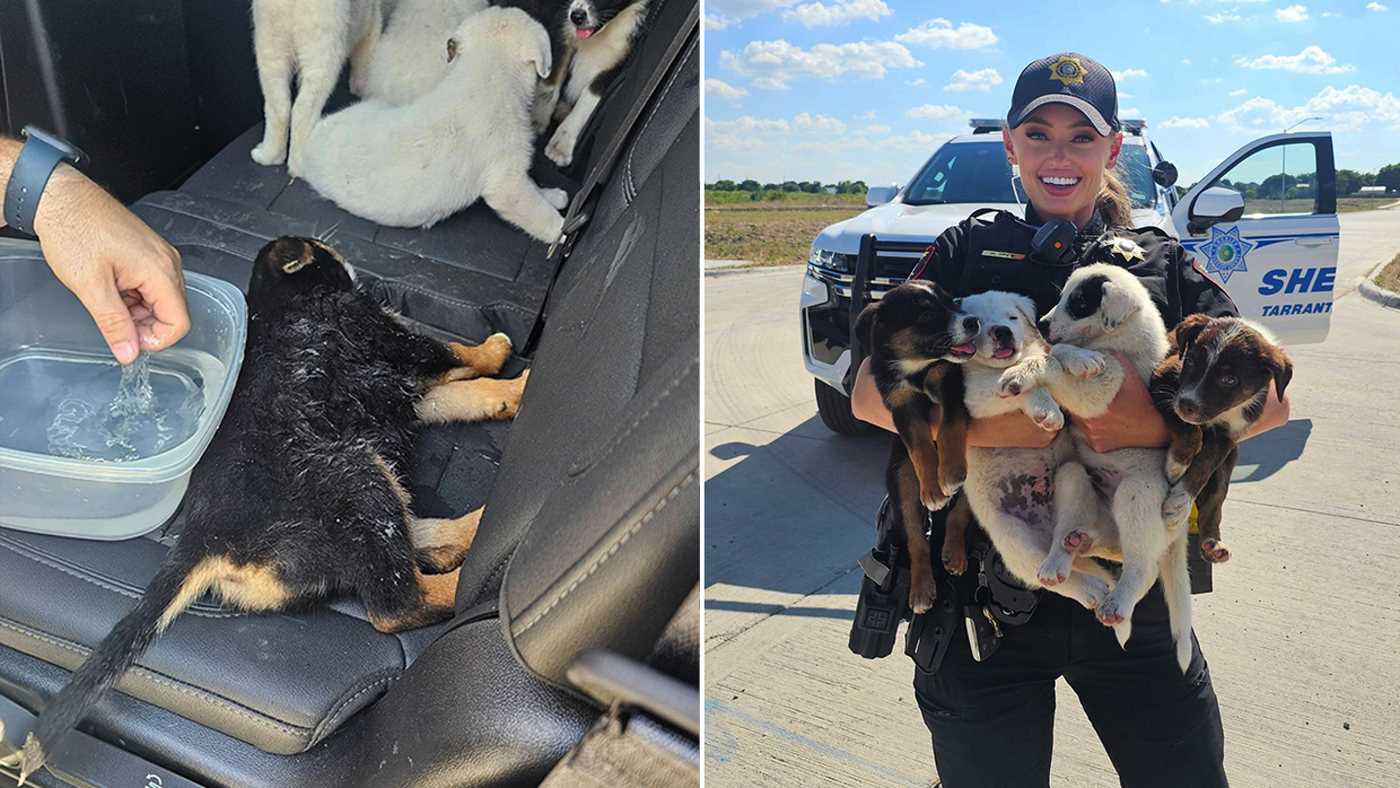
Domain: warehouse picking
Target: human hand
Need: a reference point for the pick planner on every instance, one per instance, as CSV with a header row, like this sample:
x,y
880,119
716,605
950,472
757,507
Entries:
x,y
127,277
1013,430
1131,420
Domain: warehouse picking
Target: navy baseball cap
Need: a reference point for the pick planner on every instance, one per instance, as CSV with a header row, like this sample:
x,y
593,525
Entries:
x,y
1067,78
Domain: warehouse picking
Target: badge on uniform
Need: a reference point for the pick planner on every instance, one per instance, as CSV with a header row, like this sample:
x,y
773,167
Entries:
x,y
1125,248
1003,255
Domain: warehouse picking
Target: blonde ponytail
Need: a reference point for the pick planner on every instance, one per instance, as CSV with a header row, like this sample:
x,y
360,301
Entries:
x,y
1113,202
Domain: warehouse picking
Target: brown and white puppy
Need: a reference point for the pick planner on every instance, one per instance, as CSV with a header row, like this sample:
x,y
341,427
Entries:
x,y
912,332
1210,389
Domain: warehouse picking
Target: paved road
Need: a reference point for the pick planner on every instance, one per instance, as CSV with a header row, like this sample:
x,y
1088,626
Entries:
x,y
1302,632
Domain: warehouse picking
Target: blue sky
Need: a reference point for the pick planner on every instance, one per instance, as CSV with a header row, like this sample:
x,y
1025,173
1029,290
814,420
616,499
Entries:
x,y
867,89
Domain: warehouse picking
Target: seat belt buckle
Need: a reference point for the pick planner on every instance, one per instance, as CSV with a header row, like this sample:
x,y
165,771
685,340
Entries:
x,y
568,234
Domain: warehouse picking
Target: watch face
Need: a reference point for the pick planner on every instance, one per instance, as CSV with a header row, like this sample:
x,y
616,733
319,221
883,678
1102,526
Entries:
x,y
70,152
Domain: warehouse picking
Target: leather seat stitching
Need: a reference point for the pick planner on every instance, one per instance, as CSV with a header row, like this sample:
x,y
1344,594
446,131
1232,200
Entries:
x,y
100,583
617,441
656,107
388,677
299,731
611,551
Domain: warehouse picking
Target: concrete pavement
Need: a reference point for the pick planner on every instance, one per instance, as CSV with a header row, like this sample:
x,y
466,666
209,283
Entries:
x,y
1302,632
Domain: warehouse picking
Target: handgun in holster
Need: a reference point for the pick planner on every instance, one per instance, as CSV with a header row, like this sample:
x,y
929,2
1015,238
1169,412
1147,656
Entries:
x,y
884,591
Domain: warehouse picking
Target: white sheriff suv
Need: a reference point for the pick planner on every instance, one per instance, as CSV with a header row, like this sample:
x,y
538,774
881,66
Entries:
x,y
1263,224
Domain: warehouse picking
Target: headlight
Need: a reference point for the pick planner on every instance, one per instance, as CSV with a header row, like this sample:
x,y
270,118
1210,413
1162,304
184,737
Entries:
x,y
832,261
814,291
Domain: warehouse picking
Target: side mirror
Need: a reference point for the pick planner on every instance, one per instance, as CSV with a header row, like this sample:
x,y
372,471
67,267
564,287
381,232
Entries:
x,y
879,195
1216,204
1164,174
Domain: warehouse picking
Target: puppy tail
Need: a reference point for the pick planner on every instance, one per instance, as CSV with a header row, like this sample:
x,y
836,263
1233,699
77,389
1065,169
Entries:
x,y
175,586
1176,587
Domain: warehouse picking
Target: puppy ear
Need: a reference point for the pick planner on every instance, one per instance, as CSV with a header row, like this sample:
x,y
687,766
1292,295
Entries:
x,y
451,49
540,52
1026,307
1282,367
1117,306
1186,332
865,325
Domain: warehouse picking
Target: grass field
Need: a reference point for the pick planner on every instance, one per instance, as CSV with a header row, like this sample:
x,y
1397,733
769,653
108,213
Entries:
x,y
1389,277
780,231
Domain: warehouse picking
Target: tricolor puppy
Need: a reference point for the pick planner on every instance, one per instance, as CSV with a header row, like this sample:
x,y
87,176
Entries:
x,y
300,494
1011,490
1105,310
911,332
1210,390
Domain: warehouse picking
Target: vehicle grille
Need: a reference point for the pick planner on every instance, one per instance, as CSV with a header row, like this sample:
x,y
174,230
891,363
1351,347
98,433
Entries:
x,y
894,261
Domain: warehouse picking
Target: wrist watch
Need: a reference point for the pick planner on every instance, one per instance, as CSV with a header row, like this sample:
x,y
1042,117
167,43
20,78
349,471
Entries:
x,y
42,152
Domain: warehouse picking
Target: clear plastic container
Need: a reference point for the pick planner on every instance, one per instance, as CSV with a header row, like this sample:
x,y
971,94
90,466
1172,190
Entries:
x,y
71,466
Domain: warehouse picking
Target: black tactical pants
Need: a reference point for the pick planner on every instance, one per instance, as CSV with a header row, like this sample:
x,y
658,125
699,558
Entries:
x,y
992,722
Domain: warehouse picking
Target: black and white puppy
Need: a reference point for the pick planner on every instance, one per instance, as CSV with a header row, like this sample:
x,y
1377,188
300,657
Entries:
x,y
603,34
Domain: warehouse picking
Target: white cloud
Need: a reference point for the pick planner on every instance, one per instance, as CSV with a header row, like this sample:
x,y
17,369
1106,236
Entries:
x,y
1130,112
1186,61
1376,7
1123,94
981,79
1293,13
718,87
941,34
935,112
1312,60
723,14
1177,122
773,64
823,123
868,115
1222,18
917,83
876,129
840,12
1353,108
1238,92
1128,73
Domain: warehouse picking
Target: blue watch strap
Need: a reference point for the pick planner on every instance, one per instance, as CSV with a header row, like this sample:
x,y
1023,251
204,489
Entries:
x,y
29,176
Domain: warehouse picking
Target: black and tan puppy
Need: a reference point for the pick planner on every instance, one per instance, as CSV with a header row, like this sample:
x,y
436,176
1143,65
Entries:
x,y
299,495
1210,389
916,335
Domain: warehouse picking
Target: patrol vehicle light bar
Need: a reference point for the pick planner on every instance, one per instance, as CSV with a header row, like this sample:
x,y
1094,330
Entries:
x,y
985,125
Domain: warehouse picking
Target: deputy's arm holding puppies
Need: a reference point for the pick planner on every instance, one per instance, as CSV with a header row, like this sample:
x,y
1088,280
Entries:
x,y
1012,430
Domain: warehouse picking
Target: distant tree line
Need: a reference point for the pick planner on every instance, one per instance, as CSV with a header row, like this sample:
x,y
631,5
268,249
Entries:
x,y
809,187
1295,186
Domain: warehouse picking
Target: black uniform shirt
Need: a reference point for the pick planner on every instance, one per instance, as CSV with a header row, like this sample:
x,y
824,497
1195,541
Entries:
x,y
980,254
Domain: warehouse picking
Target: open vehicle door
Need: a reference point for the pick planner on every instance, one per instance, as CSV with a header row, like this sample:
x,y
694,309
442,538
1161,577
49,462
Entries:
x,y
1263,225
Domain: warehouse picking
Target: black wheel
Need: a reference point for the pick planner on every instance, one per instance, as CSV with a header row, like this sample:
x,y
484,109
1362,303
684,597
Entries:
x,y
835,410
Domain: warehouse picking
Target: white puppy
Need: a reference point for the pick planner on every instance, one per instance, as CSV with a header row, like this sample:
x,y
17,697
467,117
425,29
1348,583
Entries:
x,y
603,42
1010,490
309,40
413,54
1105,309
469,137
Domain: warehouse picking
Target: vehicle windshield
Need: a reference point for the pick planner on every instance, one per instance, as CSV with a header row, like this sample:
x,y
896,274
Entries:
x,y
977,172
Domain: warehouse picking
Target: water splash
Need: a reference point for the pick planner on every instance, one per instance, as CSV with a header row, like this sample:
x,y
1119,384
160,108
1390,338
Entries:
x,y
137,418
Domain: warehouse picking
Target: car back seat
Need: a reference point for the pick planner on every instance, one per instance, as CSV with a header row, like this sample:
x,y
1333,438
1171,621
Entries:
x,y
597,480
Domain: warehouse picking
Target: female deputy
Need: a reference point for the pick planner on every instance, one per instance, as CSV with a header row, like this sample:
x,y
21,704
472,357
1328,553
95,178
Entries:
x,y
992,720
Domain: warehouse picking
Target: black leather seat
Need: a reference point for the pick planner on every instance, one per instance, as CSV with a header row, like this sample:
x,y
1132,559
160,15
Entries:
x,y
591,533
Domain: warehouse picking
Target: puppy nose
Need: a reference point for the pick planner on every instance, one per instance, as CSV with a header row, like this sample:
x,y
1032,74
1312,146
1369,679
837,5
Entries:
x,y
1043,326
971,325
578,16
1001,334
1188,407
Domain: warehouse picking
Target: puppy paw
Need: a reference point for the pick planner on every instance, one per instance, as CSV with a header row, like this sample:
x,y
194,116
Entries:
x,y
950,487
557,198
1094,593
1048,419
561,148
1176,509
1082,363
933,499
295,162
1215,551
922,592
1054,569
268,155
1113,611
1175,469
1077,543
955,559
1015,381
